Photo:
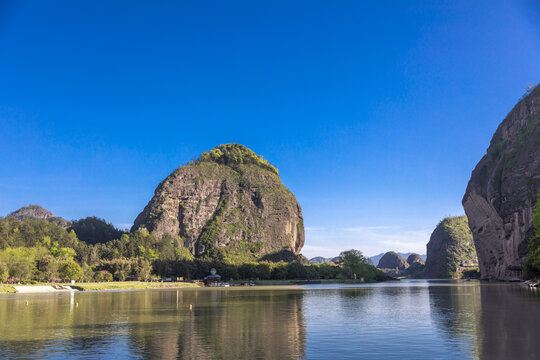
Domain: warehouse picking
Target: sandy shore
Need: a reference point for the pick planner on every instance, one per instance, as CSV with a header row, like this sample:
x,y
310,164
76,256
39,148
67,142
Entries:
x,y
42,289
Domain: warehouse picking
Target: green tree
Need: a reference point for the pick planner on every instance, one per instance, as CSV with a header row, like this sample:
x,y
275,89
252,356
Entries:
x,y
144,269
248,271
264,271
4,272
93,230
295,270
352,263
70,270
280,271
88,273
20,262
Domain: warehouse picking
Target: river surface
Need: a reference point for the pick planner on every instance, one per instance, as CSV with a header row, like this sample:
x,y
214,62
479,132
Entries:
x,y
394,320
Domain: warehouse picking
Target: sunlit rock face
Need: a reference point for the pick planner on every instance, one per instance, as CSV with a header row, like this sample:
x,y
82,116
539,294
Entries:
x,y
230,202
450,250
392,260
39,213
501,193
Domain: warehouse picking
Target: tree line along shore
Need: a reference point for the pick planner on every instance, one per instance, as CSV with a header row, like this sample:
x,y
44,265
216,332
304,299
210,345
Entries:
x,y
36,251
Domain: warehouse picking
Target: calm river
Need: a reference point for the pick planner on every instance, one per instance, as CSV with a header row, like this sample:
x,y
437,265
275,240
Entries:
x,y
394,320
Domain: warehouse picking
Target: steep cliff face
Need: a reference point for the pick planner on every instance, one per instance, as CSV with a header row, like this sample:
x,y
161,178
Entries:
x,y
450,250
392,260
39,213
501,193
230,202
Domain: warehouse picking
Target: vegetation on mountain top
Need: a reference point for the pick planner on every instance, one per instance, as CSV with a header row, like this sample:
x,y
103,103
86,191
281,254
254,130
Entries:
x,y
235,154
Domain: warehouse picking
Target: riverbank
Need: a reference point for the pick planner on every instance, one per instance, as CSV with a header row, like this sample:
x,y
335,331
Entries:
x,y
96,286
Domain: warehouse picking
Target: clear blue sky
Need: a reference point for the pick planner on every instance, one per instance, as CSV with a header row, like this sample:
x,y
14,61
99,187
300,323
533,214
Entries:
x,y
375,112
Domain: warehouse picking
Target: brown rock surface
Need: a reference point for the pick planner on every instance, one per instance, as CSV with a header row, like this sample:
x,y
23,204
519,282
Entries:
x,y
415,258
392,260
229,201
39,213
501,193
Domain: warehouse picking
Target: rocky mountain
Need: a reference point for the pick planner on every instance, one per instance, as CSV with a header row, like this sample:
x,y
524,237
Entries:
x,y
375,259
322,260
392,260
501,193
40,213
415,258
228,203
450,250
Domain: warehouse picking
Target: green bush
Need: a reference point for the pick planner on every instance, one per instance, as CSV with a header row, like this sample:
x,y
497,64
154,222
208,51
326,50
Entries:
x,y
531,269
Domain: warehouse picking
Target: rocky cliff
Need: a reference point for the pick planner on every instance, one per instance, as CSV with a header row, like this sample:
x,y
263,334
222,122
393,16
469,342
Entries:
x,y
450,250
39,213
228,203
392,260
415,258
501,193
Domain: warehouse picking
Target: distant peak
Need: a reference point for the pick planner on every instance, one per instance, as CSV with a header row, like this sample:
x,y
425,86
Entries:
x,y
32,211
235,154
38,212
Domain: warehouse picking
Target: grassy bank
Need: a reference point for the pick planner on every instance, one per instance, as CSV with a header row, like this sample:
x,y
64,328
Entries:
x,y
7,289
113,285
129,285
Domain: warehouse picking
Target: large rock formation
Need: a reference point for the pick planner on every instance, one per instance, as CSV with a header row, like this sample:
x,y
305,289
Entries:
x,y
450,250
415,258
39,213
501,194
392,260
230,202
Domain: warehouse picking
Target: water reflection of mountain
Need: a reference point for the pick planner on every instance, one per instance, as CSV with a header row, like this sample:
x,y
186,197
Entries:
x,y
228,325
510,322
224,324
488,321
456,312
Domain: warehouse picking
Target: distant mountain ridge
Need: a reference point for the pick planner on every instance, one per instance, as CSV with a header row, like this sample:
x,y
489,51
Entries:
x,y
322,260
374,260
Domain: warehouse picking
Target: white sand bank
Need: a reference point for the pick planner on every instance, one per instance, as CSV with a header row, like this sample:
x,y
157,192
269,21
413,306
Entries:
x,y
42,289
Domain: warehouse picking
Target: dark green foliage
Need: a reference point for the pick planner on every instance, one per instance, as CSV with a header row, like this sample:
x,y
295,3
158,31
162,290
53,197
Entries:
x,y
295,270
31,232
354,266
235,154
531,270
212,227
415,271
93,230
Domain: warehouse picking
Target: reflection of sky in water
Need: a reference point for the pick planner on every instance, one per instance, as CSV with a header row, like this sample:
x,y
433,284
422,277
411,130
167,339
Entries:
x,y
377,322
407,319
